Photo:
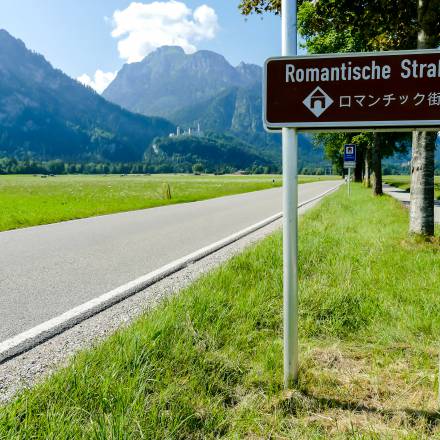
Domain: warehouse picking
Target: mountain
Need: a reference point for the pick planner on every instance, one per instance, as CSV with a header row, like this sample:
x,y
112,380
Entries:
x,y
45,114
204,89
168,79
237,111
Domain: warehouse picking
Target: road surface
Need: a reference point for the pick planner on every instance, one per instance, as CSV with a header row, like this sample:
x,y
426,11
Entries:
x,y
404,197
47,270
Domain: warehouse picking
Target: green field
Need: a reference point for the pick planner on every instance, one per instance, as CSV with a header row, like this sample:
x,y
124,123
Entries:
x,y
403,182
208,363
33,200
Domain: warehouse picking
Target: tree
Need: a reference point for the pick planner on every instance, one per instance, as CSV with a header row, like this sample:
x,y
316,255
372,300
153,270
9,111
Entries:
x,y
364,141
365,25
55,166
423,163
333,144
198,168
371,148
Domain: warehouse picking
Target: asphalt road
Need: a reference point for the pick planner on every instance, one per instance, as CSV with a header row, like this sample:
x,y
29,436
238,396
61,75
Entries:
x,y
47,270
404,197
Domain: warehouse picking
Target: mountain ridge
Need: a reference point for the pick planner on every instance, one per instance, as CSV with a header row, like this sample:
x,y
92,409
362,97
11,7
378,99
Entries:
x,y
169,79
46,114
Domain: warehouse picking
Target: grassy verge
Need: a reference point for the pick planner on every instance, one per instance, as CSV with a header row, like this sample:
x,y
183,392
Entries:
x,y
404,182
208,363
31,200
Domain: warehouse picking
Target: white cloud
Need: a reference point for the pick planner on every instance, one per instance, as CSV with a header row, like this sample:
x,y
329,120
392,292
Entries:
x,y
143,27
99,82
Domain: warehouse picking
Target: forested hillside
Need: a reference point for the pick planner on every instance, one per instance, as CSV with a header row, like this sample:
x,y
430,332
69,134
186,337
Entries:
x,y
45,114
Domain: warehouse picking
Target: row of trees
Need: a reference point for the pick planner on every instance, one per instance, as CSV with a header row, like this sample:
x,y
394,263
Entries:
x,y
371,149
329,26
14,166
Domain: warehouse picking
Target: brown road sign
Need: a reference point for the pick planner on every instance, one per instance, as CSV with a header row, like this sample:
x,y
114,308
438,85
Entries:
x,y
382,90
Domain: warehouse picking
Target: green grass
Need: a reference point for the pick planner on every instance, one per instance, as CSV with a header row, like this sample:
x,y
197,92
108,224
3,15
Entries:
x,y
32,200
208,363
404,182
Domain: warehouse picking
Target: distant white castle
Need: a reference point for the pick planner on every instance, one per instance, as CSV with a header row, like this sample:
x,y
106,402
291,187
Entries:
x,y
189,132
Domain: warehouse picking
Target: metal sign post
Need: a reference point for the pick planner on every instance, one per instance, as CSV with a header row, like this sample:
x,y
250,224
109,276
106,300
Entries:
x,y
349,178
290,209
349,161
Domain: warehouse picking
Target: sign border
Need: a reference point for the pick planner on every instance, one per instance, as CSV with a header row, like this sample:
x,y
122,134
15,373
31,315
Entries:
x,y
409,125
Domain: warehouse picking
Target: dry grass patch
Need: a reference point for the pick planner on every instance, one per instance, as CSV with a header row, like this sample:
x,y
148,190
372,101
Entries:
x,y
346,391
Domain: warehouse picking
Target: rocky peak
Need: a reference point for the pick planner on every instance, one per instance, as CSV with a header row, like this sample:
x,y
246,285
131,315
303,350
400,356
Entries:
x,y
169,79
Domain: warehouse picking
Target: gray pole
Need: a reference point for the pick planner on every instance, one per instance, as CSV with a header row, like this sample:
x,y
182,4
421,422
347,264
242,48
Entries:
x,y
349,178
290,208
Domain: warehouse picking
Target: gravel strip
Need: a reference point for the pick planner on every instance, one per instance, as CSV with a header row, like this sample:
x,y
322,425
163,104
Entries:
x,y
35,365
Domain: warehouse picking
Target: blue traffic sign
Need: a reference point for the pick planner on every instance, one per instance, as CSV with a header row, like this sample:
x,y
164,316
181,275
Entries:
x,y
349,153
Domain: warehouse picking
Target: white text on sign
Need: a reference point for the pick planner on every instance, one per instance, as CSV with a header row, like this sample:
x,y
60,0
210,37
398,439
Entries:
x,y
349,72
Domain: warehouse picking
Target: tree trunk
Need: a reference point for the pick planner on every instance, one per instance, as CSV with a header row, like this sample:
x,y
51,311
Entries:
x,y
359,165
422,183
367,180
422,161
377,166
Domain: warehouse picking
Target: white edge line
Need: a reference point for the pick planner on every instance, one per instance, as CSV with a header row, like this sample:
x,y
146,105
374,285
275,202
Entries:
x,y
42,332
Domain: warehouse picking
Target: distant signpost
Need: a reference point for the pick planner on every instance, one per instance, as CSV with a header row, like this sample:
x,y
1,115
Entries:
x,y
350,156
349,160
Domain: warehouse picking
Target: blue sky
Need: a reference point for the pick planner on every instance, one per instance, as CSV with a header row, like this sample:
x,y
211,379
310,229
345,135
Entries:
x,y
76,35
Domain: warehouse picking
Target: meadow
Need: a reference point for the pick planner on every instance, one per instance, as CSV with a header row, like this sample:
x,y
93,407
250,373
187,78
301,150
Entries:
x,y
404,182
208,363
33,200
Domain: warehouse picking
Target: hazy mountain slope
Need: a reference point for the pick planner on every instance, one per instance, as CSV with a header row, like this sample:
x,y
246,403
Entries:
x,y
168,80
214,114
46,114
237,109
